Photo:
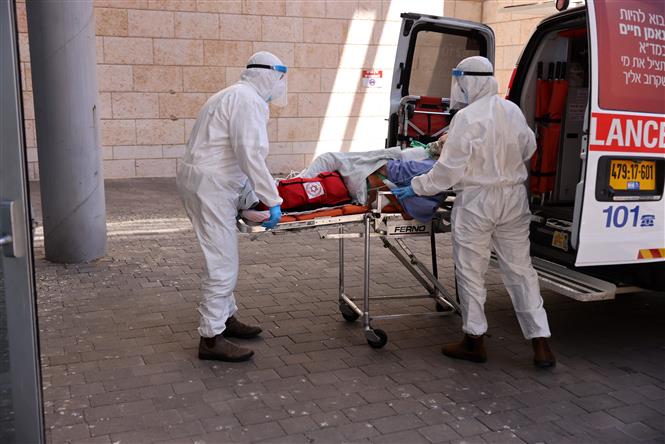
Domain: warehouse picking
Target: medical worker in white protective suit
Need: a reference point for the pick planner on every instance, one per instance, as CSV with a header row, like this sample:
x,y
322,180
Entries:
x,y
225,160
484,162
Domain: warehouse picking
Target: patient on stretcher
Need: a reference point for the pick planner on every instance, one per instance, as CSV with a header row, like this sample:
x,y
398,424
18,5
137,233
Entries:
x,y
364,174
399,173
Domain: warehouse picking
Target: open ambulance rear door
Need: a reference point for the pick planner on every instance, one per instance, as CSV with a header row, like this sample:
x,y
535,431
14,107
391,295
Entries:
x,y
622,216
429,47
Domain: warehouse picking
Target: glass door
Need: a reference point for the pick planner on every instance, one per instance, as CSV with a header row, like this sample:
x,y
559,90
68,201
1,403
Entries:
x,y
21,418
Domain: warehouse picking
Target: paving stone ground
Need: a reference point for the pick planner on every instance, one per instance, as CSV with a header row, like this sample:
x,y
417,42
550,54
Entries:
x,y
118,344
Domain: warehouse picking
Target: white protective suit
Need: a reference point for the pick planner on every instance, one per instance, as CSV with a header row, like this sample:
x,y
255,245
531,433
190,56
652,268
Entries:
x,y
484,162
224,161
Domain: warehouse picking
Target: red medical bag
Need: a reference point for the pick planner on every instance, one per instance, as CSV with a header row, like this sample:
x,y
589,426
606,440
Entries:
x,y
324,190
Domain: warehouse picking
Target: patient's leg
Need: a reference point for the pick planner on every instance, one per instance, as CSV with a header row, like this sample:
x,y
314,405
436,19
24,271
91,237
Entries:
x,y
376,184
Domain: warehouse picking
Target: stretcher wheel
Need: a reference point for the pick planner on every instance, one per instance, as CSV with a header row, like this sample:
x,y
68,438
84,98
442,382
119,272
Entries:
x,y
383,339
348,313
441,308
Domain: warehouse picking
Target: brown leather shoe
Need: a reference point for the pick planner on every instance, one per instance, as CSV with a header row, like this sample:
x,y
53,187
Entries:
x,y
469,349
219,349
236,329
542,355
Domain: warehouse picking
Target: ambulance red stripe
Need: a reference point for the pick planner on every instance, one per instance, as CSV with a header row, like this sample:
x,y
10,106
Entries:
x,y
627,133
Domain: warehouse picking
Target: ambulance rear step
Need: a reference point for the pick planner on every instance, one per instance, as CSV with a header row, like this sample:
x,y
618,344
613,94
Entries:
x,y
573,284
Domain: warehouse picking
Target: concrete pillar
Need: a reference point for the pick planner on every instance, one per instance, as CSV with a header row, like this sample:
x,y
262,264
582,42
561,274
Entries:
x,y
64,81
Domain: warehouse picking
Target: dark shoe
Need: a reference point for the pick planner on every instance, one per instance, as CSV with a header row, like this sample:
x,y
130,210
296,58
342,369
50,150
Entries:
x,y
236,329
542,355
470,349
219,349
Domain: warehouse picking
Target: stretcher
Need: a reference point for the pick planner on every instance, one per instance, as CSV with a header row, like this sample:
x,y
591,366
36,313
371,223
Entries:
x,y
392,230
422,118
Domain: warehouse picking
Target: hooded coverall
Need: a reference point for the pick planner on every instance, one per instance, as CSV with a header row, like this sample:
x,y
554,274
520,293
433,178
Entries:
x,y
226,156
484,161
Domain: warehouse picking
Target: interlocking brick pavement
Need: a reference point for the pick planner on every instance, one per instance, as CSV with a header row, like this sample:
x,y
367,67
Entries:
x,y
118,344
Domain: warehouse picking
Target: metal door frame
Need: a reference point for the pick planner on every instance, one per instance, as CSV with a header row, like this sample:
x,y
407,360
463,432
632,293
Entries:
x,y
18,272
411,24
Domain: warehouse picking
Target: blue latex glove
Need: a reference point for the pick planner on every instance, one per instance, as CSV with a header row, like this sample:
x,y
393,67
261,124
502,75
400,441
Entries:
x,y
403,192
275,216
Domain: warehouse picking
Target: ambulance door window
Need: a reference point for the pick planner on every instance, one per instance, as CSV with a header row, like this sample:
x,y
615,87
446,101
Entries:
x,y
433,57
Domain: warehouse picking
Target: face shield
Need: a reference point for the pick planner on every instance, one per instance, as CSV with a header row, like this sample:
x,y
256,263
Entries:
x,y
459,87
278,95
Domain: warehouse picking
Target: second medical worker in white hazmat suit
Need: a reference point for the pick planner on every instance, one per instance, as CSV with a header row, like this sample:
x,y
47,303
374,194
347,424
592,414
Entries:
x,y
224,161
484,162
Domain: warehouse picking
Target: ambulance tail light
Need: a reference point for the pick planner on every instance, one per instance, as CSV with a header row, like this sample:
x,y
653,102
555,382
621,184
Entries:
x,y
561,5
510,82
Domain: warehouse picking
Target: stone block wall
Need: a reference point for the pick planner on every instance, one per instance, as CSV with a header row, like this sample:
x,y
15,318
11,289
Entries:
x,y
512,32
159,60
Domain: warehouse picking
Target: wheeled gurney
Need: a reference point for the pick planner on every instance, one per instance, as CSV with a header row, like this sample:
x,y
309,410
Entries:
x,y
392,229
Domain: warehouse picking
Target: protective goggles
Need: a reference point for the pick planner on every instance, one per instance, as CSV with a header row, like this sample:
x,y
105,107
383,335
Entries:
x,y
460,73
279,68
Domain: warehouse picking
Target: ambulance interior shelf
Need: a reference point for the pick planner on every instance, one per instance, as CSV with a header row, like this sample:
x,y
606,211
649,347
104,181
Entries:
x,y
555,102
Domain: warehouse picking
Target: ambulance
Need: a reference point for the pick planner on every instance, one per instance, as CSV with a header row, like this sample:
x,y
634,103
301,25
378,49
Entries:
x,y
591,83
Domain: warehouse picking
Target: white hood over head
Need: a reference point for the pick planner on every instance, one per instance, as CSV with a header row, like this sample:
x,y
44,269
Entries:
x,y
269,83
469,87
